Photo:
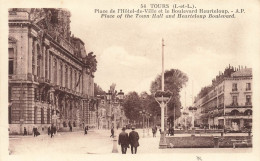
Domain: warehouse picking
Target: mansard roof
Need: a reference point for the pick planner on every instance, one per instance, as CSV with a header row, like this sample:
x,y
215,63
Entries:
x,y
246,72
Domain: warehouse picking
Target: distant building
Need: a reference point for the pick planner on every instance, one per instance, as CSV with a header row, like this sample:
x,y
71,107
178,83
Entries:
x,y
107,111
51,77
228,101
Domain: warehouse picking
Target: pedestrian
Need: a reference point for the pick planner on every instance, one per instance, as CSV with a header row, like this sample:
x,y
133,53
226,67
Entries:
x,y
52,130
49,130
24,131
112,132
123,140
55,130
154,131
171,131
133,140
70,128
86,130
34,132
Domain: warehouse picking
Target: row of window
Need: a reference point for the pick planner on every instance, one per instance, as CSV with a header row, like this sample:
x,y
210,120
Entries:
x,y
13,115
235,102
59,69
234,86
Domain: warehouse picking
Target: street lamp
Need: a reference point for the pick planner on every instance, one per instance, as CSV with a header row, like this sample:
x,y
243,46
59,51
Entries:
x,y
121,97
142,113
193,110
148,115
111,100
163,98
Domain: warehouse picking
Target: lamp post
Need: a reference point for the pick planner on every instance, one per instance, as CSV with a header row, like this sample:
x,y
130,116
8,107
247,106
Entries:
x,y
148,115
121,97
162,98
142,113
193,110
110,97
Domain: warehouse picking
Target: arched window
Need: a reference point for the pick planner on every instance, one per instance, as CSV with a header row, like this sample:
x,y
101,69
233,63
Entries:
x,y
50,71
55,71
234,112
35,114
46,64
66,76
48,116
42,116
61,74
38,61
70,78
33,59
248,112
75,78
10,114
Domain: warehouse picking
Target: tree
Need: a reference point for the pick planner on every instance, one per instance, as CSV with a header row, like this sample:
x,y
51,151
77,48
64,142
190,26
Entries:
x,y
132,106
174,80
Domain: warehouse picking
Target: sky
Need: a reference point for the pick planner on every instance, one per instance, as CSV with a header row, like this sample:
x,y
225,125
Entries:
x,y
129,50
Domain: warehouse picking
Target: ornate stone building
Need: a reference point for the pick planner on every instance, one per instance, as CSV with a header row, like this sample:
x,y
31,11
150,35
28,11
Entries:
x,y
51,76
228,101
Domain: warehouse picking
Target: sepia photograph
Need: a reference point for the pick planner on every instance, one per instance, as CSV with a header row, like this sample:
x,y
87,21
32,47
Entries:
x,y
169,80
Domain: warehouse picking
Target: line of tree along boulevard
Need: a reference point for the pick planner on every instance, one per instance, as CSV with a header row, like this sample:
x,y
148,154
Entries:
x,y
174,80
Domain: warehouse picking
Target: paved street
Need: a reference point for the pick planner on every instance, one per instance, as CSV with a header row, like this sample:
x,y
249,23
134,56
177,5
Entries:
x,y
97,142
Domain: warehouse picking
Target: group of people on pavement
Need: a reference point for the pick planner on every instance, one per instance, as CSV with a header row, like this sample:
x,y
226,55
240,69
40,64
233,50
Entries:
x,y
35,132
52,130
125,140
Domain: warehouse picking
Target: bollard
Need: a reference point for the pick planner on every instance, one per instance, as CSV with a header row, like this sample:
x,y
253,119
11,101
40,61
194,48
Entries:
x,y
216,142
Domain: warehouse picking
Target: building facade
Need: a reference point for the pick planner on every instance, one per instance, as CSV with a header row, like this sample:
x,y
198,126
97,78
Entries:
x,y
228,101
51,76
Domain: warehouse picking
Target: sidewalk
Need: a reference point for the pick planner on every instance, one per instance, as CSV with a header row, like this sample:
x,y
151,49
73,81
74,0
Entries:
x,y
97,142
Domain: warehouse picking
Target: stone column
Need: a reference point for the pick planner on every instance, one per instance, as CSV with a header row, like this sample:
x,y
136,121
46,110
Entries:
x,y
50,68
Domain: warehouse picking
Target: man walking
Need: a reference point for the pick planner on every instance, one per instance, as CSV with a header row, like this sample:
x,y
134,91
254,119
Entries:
x,y
52,130
112,132
154,131
86,130
133,139
123,141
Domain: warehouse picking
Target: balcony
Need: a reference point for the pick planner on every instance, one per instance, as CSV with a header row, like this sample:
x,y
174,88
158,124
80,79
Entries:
x,y
236,105
248,103
20,77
